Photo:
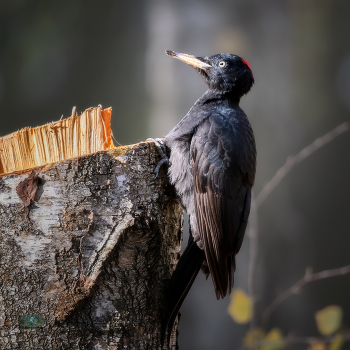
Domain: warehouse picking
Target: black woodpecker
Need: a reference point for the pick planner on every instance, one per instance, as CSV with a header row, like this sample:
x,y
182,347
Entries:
x,y
212,166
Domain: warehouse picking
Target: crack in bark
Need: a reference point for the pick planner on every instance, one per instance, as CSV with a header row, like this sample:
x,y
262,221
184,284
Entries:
x,y
111,240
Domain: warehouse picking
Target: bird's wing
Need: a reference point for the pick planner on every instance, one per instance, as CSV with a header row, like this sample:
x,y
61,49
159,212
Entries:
x,y
222,163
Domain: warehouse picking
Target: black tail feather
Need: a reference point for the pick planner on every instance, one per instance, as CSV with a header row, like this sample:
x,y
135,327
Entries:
x,y
181,281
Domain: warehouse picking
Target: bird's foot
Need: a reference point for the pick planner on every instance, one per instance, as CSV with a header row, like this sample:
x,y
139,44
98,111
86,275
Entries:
x,y
162,151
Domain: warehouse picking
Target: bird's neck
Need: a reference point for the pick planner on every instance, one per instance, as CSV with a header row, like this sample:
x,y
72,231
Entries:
x,y
225,97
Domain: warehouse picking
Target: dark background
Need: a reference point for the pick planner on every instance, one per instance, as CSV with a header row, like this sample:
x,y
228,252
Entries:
x,y
56,55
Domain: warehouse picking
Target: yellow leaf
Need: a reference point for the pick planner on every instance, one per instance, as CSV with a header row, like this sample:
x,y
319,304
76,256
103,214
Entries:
x,y
329,319
317,346
253,338
273,340
240,307
337,342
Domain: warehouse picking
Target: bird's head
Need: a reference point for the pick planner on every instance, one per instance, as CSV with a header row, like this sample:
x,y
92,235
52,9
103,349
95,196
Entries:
x,y
225,72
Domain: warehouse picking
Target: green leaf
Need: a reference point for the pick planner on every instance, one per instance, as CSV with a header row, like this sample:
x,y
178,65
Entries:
x,y
329,319
254,338
240,307
274,340
337,342
31,321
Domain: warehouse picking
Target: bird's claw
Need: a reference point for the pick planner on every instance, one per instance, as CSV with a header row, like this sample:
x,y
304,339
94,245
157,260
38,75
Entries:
x,y
162,151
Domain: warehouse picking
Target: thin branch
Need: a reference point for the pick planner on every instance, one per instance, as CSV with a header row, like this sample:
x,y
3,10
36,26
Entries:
x,y
296,288
253,221
310,340
293,160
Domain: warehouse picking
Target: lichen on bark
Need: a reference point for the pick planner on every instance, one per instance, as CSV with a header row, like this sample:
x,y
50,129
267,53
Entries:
x,y
92,253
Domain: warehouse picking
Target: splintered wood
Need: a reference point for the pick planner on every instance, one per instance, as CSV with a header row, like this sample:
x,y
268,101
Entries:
x,y
68,138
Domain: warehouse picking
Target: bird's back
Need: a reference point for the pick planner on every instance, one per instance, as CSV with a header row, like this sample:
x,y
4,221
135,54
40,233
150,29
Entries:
x,y
213,160
223,167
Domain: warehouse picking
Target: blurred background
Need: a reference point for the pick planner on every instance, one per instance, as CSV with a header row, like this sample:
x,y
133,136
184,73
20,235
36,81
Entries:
x,y
56,55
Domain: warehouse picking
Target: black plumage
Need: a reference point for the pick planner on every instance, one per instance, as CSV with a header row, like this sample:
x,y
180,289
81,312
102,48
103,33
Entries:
x,y
212,166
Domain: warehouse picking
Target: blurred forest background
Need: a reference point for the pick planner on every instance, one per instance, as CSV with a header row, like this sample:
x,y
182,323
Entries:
x,y
58,54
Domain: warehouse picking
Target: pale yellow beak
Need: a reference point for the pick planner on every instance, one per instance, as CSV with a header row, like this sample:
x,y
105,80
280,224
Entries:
x,y
189,59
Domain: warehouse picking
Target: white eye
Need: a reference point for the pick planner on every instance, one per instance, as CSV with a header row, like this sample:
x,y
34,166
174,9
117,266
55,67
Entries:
x,y
222,64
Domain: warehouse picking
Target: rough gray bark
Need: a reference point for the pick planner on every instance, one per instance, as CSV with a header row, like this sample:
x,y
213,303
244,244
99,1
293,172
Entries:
x,y
90,247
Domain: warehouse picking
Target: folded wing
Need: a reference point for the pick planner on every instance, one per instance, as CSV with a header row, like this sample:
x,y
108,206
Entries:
x,y
222,179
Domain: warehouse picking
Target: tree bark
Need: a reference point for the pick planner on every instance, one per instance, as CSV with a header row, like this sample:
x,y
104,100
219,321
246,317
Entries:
x,y
88,245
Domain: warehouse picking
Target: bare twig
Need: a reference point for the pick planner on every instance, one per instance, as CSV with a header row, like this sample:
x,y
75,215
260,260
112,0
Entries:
x,y
310,340
296,288
293,160
253,220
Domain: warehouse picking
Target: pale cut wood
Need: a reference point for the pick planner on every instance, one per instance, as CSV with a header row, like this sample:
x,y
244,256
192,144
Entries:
x,y
51,143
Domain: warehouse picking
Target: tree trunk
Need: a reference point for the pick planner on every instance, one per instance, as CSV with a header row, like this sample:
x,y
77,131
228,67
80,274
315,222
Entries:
x,y
87,247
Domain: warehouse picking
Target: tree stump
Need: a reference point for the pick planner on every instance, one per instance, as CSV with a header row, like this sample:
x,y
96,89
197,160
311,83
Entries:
x,y
87,247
